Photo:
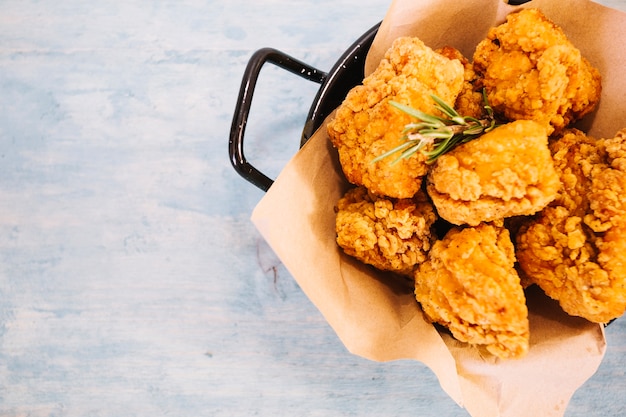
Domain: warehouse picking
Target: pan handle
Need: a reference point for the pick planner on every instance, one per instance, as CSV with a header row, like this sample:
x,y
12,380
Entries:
x,y
244,101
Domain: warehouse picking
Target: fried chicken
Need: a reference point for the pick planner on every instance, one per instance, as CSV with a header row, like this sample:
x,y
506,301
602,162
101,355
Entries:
x,y
531,71
389,234
469,285
558,192
469,102
575,249
506,172
366,126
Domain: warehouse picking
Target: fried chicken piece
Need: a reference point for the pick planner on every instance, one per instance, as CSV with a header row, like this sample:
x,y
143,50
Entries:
x,y
469,285
575,250
505,172
533,72
469,102
366,126
390,234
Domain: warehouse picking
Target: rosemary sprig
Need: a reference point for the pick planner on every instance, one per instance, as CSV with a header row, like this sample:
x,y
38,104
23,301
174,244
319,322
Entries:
x,y
434,135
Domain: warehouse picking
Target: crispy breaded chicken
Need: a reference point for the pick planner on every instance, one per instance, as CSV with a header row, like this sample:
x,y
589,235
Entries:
x,y
506,172
575,249
389,234
533,72
366,126
469,285
469,102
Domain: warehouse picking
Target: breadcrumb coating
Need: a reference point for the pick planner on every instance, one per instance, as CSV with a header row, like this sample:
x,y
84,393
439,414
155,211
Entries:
x,y
469,284
506,172
389,234
575,249
365,125
533,72
469,102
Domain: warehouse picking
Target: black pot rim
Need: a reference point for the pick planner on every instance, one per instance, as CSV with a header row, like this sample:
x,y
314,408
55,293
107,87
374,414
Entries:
x,y
346,73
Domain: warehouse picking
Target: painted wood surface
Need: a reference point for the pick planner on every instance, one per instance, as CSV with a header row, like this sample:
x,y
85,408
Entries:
x,y
132,282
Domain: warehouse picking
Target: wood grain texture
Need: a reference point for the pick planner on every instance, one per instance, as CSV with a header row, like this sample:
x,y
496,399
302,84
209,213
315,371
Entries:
x,y
132,282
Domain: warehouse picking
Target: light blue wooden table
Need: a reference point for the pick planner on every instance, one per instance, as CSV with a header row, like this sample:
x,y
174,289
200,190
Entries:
x,y
132,282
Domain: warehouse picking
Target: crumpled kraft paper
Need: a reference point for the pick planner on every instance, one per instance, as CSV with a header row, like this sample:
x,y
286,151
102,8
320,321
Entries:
x,y
375,315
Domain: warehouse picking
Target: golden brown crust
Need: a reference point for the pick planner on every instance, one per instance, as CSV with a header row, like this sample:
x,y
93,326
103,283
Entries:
x,y
366,126
575,249
389,234
506,172
469,284
533,72
469,102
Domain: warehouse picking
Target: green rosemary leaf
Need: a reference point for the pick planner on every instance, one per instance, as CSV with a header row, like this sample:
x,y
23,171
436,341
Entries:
x,y
398,148
406,154
445,108
442,133
433,136
424,117
442,147
471,120
474,130
412,127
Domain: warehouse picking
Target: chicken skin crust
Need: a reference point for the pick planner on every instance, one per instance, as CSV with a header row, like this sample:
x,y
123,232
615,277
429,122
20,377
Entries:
x,y
506,172
575,249
470,101
366,126
531,71
389,234
469,285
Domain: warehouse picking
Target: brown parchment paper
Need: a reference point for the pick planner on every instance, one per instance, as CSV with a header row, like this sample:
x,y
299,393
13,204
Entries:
x,y
376,315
